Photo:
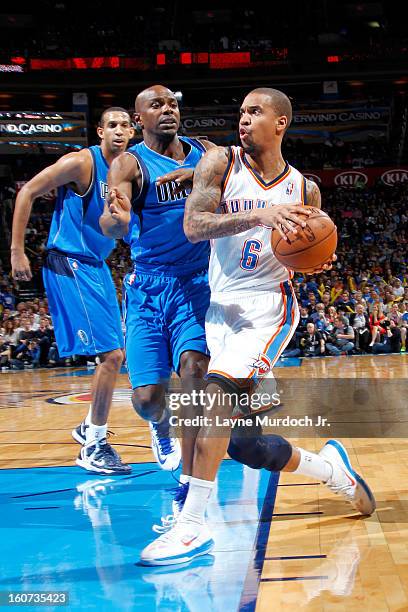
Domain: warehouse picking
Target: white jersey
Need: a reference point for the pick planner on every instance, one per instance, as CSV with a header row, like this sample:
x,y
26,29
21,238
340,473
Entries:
x,y
245,262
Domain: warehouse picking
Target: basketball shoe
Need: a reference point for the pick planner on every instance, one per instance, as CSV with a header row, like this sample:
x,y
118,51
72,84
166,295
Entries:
x,y
179,497
79,433
345,481
101,458
166,449
180,544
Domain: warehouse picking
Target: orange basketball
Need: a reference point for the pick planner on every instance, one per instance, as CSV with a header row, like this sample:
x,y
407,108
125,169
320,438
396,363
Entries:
x,y
311,247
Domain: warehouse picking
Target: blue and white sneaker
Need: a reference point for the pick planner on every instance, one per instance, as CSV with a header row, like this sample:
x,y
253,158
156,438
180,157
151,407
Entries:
x,y
79,433
345,481
101,458
167,450
179,497
180,544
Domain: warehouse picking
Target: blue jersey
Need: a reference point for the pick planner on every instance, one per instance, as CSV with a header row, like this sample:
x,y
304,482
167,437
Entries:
x,y
75,223
156,236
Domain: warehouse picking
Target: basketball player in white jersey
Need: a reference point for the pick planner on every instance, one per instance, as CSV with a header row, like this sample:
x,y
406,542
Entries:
x,y
239,194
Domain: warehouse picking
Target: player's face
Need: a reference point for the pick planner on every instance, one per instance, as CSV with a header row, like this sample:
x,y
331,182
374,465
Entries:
x,y
159,113
259,124
116,132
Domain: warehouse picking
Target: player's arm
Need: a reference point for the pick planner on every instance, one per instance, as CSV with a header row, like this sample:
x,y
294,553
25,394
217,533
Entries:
x,y
123,172
200,219
313,195
314,198
183,177
74,168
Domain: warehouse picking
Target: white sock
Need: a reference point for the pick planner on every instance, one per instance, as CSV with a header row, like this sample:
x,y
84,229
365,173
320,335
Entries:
x,y
88,416
184,478
313,465
195,505
95,433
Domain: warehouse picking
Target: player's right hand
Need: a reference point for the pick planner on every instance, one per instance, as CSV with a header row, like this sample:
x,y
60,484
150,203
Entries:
x,y
119,205
284,217
20,266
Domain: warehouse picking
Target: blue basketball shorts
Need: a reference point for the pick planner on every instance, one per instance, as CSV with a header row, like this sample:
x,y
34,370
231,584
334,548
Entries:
x,y
164,317
83,305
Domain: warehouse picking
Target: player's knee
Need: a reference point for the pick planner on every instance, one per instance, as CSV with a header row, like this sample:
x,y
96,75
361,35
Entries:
x,y
193,365
114,359
147,402
268,452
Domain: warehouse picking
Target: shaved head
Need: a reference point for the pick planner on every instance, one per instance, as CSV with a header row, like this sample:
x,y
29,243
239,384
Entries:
x,y
151,92
278,100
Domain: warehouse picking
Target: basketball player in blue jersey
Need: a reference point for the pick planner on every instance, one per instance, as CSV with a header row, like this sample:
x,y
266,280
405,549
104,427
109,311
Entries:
x,y
167,294
81,294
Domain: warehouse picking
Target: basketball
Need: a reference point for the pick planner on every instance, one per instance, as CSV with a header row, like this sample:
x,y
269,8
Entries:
x,y
311,247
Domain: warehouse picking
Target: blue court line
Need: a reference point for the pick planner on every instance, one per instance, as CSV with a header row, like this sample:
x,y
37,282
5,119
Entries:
x,y
300,484
296,557
252,580
294,578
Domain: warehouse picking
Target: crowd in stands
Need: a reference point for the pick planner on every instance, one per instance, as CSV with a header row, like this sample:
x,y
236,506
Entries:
x,y
360,306
335,153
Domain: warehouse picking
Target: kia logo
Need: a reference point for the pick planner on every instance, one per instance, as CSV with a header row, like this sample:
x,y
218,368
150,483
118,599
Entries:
x,y
350,179
392,177
313,177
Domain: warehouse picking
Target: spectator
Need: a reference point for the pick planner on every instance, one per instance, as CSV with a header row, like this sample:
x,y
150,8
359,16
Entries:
x,y
398,289
312,342
341,341
375,319
391,342
360,323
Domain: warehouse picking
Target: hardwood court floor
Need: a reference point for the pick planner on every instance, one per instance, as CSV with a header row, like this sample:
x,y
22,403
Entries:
x,y
317,554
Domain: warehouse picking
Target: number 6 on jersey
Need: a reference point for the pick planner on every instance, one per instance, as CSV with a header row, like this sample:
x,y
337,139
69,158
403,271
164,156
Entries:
x,y
250,254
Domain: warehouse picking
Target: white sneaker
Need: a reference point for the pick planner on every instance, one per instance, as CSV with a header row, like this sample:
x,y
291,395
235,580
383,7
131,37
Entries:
x,y
179,497
166,449
181,544
345,481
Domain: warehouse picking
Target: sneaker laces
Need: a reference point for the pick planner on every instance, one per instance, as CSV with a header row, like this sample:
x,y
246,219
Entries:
x,y
165,442
169,520
342,489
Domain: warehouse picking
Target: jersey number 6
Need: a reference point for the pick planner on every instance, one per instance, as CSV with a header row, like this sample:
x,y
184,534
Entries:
x,y
250,254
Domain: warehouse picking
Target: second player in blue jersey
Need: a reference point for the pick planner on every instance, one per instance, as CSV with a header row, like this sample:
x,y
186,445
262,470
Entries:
x,y
81,294
166,295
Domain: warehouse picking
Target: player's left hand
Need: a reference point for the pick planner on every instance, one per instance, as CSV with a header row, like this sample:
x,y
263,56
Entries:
x,y
183,177
326,267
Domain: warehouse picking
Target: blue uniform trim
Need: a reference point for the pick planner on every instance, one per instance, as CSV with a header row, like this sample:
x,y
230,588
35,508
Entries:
x,y
138,200
195,142
86,198
304,192
82,258
277,342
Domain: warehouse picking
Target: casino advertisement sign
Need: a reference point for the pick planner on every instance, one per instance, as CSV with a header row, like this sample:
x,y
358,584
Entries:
x,y
42,131
348,124
359,178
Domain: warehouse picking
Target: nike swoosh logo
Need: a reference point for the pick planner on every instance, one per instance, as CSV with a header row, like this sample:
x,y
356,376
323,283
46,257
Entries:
x,y
158,454
353,482
189,541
